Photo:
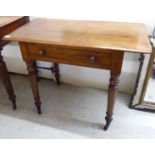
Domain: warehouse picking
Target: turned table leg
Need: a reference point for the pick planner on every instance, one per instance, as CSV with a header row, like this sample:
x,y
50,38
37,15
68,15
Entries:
x,y
34,84
4,76
57,74
36,70
113,86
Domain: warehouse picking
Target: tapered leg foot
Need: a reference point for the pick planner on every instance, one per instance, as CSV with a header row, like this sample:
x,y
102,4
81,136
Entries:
x,y
108,119
13,99
14,107
39,109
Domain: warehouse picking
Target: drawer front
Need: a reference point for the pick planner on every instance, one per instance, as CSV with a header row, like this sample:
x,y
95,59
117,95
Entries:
x,y
87,58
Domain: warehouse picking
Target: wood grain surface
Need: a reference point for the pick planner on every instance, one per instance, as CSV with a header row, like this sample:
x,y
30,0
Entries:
x,y
131,37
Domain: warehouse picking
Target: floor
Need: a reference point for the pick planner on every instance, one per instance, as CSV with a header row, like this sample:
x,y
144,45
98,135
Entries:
x,y
69,112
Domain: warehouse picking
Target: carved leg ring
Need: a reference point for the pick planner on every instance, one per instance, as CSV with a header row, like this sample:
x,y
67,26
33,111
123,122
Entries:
x,y
34,84
4,76
57,74
113,86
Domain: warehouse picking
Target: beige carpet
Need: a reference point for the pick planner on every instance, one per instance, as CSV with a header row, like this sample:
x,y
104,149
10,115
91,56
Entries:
x,y
69,112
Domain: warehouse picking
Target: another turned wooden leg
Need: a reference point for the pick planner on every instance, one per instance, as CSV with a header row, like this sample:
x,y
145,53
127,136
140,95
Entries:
x,y
34,84
37,71
57,74
4,76
113,86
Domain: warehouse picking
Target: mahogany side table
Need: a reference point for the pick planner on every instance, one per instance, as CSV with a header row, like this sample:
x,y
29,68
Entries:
x,y
95,44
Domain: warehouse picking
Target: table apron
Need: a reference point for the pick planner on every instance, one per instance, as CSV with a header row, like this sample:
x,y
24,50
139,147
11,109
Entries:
x,y
102,59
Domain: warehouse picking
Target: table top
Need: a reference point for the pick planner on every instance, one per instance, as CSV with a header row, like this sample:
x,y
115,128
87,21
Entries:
x,y
131,37
4,20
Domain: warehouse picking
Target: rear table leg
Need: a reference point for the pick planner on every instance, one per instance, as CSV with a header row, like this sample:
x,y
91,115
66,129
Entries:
x,y
56,71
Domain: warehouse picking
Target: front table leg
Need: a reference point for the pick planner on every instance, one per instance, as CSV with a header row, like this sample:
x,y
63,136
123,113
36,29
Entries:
x,y
4,76
34,84
113,87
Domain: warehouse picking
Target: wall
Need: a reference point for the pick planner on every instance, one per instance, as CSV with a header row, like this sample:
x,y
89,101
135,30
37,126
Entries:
x,y
128,11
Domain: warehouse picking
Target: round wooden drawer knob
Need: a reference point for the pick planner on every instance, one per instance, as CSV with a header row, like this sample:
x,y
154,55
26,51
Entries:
x,y
93,58
41,52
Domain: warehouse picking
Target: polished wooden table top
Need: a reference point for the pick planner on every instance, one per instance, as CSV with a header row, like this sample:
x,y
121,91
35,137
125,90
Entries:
x,y
131,37
4,20
10,23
